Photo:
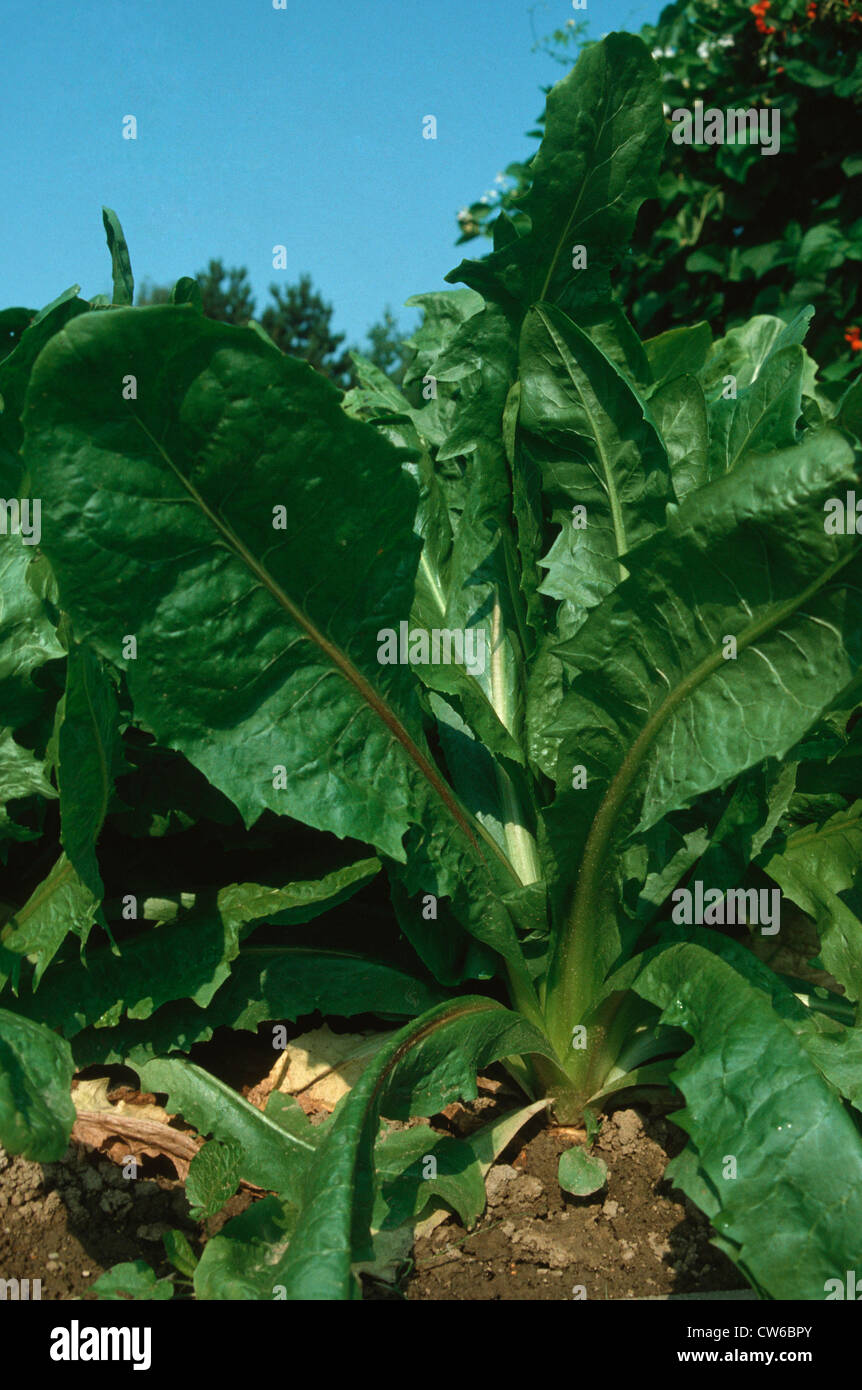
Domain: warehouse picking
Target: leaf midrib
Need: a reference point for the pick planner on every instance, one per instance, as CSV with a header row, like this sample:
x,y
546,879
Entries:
x,y
576,932
567,230
46,889
233,1101
333,653
767,409
610,482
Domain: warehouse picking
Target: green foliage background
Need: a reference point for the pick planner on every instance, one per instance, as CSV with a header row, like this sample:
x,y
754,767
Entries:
x,y
733,232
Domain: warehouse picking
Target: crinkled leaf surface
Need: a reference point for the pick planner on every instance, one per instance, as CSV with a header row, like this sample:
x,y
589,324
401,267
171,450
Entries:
x,y
609,457
257,647
599,158
658,714
791,1215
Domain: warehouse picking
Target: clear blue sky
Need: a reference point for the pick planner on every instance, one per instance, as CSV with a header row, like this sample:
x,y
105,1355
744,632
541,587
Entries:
x,y
258,127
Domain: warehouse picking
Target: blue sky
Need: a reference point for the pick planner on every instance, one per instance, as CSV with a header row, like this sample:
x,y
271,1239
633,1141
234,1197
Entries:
x,y
259,127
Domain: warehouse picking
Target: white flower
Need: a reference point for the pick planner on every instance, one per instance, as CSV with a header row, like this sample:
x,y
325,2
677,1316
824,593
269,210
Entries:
x,y
726,41
500,178
704,49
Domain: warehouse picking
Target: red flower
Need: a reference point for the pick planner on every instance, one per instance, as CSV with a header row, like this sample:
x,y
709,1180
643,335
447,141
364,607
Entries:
x,y
759,10
854,338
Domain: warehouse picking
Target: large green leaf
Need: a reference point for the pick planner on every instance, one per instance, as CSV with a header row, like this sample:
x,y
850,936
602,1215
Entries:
x,y
191,957
150,536
466,571
407,1182
257,647
743,352
607,457
678,352
266,984
599,158
274,1155
762,417
679,412
482,584
443,311
376,393
790,1211
15,374
661,711
36,1110
758,801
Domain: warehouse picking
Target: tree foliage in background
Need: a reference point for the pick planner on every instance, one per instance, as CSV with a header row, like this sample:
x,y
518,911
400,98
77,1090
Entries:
x,y
734,232
299,321
231,303
386,348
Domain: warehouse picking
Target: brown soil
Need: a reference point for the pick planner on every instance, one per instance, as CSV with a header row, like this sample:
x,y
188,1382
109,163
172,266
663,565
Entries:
x,y
67,1222
638,1238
